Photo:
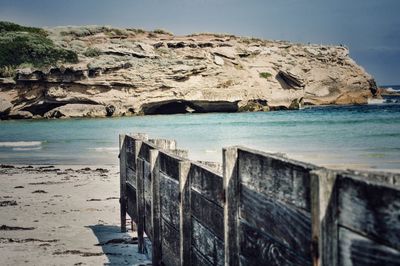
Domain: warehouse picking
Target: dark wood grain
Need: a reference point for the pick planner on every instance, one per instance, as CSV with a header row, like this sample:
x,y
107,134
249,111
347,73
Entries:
x,y
144,152
324,214
209,214
198,259
148,196
131,202
287,224
122,181
208,183
130,153
140,204
355,250
210,246
169,165
283,179
371,209
169,200
131,176
257,248
170,244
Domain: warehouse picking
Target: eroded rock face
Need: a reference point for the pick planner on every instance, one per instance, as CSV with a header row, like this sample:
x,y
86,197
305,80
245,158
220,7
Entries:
x,y
142,73
77,110
5,107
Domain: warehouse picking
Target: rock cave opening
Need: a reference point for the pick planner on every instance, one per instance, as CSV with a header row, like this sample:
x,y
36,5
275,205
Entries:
x,y
183,107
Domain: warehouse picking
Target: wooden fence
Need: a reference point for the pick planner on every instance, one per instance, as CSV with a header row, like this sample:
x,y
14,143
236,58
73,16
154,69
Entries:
x,y
263,209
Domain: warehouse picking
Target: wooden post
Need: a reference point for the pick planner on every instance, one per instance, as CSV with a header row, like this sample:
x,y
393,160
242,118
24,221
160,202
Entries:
x,y
122,181
139,196
164,144
231,191
155,208
185,233
324,218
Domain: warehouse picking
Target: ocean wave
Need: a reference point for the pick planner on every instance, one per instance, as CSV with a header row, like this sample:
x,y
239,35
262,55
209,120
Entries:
x,y
27,149
12,144
105,149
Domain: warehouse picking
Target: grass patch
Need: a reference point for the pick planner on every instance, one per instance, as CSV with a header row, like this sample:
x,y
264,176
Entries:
x,y
265,75
162,31
6,26
92,52
31,47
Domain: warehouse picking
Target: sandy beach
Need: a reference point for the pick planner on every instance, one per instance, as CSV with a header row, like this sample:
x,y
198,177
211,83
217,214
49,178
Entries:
x,y
63,215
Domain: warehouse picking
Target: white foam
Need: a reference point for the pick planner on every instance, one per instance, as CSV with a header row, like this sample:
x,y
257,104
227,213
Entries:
x,y
20,143
390,89
27,149
105,149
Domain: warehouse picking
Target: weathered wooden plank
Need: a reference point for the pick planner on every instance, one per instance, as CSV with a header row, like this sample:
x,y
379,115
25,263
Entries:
x,y
370,208
184,154
169,200
289,225
169,257
230,184
257,248
169,165
382,177
156,212
122,181
208,183
198,259
147,198
170,244
130,153
131,176
164,144
215,166
324,217
208,213
355,249
148,225
185,213
210,246
281,178
144,152
131,202
140,204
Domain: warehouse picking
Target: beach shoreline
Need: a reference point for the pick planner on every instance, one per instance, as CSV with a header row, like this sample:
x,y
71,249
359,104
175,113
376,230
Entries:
x,y
63,215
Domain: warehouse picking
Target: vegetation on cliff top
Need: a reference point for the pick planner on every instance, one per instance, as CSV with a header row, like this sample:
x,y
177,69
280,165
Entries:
x,y
21,45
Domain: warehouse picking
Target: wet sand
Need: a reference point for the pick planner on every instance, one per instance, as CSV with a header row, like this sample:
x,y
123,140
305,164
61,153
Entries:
x,y
63,215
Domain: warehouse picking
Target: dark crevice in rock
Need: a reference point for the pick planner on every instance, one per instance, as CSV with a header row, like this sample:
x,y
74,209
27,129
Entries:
x,y
290,81
41,109
183,106
42,106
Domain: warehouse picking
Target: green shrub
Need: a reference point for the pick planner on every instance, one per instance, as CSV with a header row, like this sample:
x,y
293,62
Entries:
x,y
22,47
6,26
92,52
136,31
162,31
265,75
7,71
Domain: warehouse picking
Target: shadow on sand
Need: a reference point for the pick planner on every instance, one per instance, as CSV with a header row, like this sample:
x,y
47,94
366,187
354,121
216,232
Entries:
x,y
120,248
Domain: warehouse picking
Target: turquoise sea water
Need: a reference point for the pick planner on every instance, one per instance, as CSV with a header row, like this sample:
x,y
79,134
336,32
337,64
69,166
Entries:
x,y
350,136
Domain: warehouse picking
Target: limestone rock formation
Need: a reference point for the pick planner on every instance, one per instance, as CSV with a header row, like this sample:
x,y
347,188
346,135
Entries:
x,y
136,72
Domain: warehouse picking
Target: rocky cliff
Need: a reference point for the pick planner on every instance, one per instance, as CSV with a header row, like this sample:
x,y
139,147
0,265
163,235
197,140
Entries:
x,y
132,72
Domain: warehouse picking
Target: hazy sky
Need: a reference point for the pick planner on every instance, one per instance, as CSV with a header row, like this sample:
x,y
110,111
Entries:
x,y
371,28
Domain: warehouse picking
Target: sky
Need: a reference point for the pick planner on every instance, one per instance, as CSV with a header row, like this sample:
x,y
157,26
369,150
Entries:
x,y
370,28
